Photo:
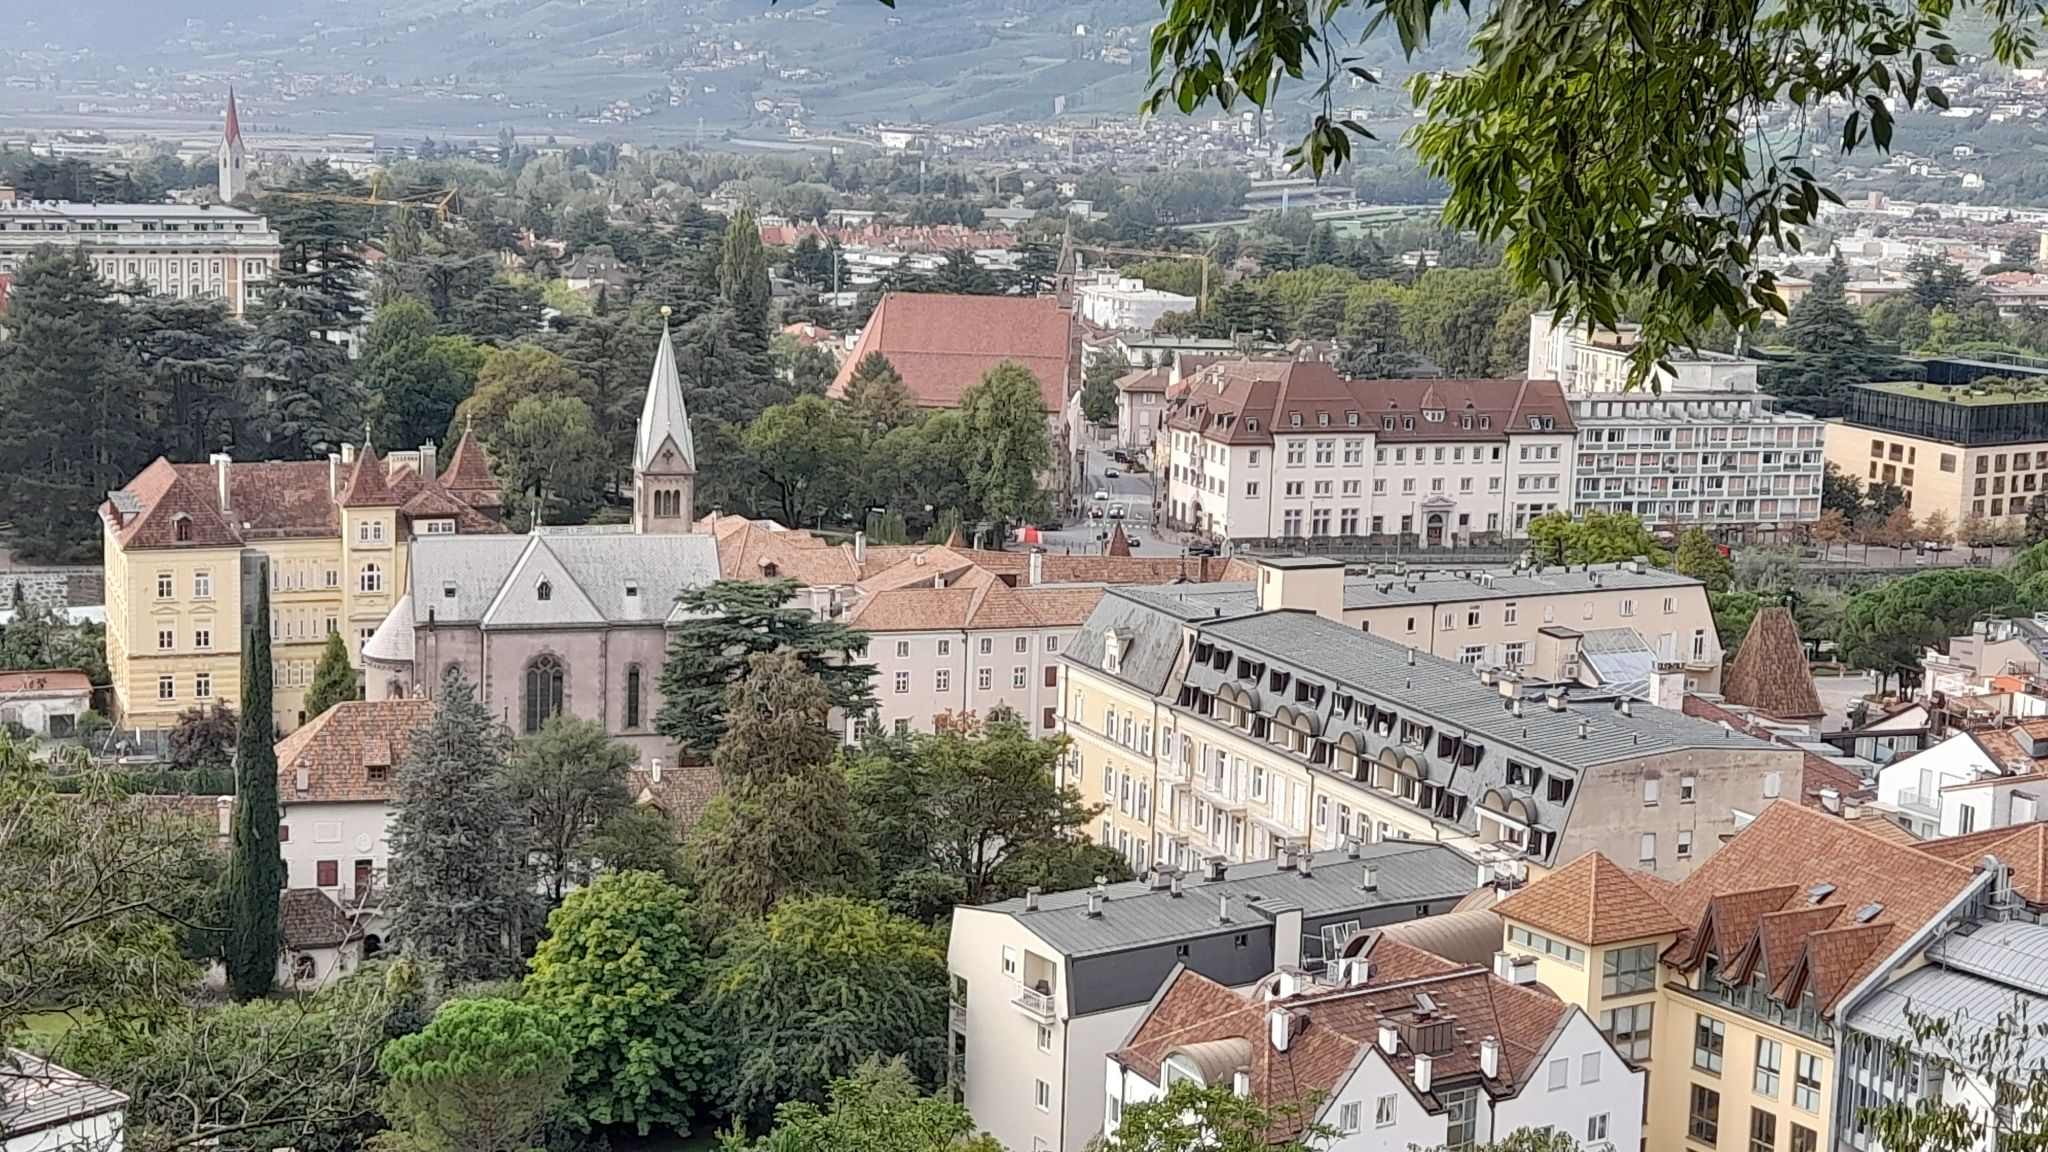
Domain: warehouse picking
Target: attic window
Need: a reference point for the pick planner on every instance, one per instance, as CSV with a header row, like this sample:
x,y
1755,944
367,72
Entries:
x,y
448,590
376,773
632,588
1486,421
1819,892
769,569
1252,424
181,527
544,591
1351,418
1294,419
1868,912
1112,653
1408,423
1322,419
1387,423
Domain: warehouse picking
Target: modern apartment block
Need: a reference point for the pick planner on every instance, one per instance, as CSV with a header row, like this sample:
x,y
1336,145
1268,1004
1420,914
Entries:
x,y
1399,1049
1046,986
337,535
1703,446
196,251
1279,449
1762,993
1213,723
1951,448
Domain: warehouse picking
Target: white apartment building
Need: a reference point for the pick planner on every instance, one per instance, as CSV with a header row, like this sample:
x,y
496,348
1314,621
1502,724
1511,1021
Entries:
x,y
1970,782
1700,446
189,250
1045,987
1263,449
1123,304
1398,1049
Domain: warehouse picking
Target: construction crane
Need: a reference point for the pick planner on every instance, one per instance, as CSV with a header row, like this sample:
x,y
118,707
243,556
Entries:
x,y
441,203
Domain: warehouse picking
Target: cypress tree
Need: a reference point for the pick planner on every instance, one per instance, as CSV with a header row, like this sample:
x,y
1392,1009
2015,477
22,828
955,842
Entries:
x,y
256,872
333,679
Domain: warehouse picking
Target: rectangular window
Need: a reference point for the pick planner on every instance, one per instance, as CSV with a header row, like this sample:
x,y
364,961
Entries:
x,y
1045,1037
1804,1139
1019,676
1629,970
942,680
1347,1117
164,586
902,683
166,639
1708,1035
202,585
328,873
1763,1131
1385,1110
166,688
1652,788
1806,1082
1703,1121
984,679
1770,1061
202,685
1560,1074
1646,852
1596,1128
988,645
1461,1118
1684,847
1589,1068
945,647
1628,1029
202,638
1044,1096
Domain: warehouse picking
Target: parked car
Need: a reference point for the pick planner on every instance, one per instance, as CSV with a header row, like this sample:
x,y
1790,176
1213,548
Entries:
x,y
1095,513
1201,548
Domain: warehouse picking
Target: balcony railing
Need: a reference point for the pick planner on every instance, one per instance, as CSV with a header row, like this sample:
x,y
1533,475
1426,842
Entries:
x,y
1035,1004
1917,801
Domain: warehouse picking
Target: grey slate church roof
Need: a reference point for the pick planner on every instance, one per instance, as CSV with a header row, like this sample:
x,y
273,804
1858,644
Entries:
x,y
662,416
589,578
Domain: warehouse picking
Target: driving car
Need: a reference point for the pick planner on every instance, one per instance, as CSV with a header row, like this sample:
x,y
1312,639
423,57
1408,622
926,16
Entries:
x,y
1112,473
1102,493
1116,511
1095,513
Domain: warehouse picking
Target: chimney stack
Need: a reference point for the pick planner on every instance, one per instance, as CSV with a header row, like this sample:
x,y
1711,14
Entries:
x,y
1037,573
1031,898
1369,879
302,777
1214,867
348,452
1351,847
428,465
1280,1024
1305,865
1425,1068
1514,969
1390,1037
860,549
1223,909
654,769
220,462
1241,1083
1489,1057
1831,799
333,474
1359,972
1173,885
1094,903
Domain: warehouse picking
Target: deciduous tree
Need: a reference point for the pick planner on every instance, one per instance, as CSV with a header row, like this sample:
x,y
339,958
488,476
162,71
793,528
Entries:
x,y
1595,538
1004,416
879,1107
1703,560
569,778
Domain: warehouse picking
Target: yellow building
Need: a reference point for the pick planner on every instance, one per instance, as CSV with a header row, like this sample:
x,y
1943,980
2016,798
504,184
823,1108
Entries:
x,y
1952,449
1730,985
335,533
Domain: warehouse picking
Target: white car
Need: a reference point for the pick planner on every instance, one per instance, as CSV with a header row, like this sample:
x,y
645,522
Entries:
x,y
1102,493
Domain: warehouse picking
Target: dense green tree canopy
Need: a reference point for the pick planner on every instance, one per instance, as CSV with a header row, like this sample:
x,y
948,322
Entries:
x,y
484,1075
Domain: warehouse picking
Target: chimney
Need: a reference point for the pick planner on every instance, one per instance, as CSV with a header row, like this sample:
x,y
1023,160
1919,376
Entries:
x,y
1585,727
333,474
1351,847
1095,903
1031,898
1358,973
1304,865
654,769
1510,686
1554,699
1425,1069
348,452
1831,799
1214,868
224,812
1241,1082
1173,885
1368,879
1489,1057
1514,969
1037,573
1390,1037
1516,706
1223,909
220,462
1280,1025
1411,656
1626,708
860,549
1284,859
427,468
302,779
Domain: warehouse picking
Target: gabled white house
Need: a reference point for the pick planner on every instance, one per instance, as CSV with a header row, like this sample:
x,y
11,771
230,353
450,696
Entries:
x,y
1970,782
1403,1050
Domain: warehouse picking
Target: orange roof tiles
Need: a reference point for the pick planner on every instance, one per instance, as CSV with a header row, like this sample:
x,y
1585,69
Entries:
x,y
342,746
1769,672
942,344
367,485
1591,901
468,474
28,683
2022,848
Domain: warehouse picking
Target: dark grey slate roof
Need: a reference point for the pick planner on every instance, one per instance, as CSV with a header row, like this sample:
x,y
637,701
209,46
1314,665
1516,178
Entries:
x,y
1385,589
494,578
1136,914
1150,621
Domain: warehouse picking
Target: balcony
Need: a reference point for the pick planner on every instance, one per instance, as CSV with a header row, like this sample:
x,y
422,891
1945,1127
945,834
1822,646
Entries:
x,y
1925,804
1038,1005
957,1014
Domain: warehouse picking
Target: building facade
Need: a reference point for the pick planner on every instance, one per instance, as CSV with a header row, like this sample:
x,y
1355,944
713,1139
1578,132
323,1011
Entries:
x,y
1123,304
1239,730
1274,449
193,251
336,539
1953,449
1046,986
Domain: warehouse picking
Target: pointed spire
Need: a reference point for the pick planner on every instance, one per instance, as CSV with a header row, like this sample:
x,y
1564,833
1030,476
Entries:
x,y
468,475
367,485
232,136
1119,544
663,418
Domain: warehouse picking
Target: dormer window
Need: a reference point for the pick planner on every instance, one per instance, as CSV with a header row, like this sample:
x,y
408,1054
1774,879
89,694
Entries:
x,y
1408,423
1112,653
1351,419
545,590
1251,424
1322,419
1387,423
181,527
447,589
632,589
1433,415
1294,419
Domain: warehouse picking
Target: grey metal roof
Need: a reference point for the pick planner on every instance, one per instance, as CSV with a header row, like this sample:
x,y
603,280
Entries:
x,y
1970,1004
2009,951
392,642
1468,937
1149,620
1451,694
494,579
36,1095
1136,914
1386,589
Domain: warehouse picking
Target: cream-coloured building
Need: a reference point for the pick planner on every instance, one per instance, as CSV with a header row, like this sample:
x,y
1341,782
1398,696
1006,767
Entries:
x,y
335,536
1235,722
195,251
1951,449
1762,992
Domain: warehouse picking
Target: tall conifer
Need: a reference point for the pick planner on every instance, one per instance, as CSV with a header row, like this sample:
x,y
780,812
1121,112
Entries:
x,y
256,870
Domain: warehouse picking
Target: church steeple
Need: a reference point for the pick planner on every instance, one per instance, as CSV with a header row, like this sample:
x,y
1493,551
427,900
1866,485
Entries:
x,y
664,455
234,167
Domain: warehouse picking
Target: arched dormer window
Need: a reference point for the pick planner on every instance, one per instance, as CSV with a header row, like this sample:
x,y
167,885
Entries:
x,y
545,590
181,527
543,692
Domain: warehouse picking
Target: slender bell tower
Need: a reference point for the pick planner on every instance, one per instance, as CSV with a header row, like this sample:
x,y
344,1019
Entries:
x,y
234,159
664,456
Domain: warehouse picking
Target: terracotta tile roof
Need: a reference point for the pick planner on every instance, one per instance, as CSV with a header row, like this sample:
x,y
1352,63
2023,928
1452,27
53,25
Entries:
x,y
1119,544
1145,380
468,474
1395,960
367,485
753,551
1793,857
1780,939
1334,1027
1880,825
310,918
341,746
980,601
267,500
2022,848
1591,901
682,793
1246,401
1769,672
28,683
941,344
